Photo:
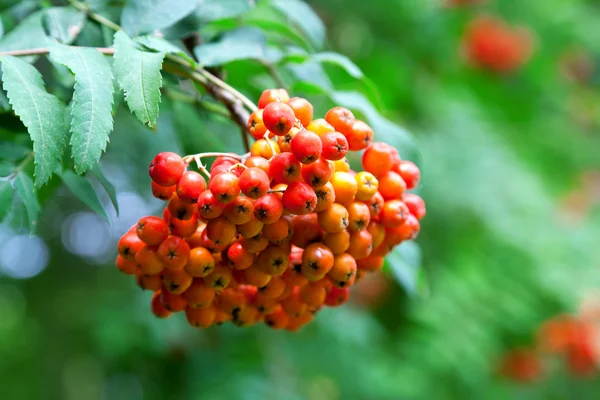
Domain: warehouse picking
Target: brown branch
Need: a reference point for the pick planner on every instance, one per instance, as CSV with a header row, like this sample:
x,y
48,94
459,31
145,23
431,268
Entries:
x,y
40,51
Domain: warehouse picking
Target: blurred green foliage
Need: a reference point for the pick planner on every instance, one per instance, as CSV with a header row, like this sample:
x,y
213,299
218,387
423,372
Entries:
x,y
502,248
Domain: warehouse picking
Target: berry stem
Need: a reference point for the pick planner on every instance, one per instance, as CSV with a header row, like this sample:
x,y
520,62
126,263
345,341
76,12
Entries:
x,y
189,158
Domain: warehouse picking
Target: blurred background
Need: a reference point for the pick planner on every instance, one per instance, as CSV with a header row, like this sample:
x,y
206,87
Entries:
x,y
502,99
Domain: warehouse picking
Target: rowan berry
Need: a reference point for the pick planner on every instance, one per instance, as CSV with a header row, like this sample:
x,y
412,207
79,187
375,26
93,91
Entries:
x,y
239,257
278,319
273,95
256,126
375,204
278,231
208,206
174,252
219,278
302,109
391,185
195,240
225,187
306,146
341,119
334,219
211,246
176,280
255,276
343,271
190,186
247,317
338,242
250,228
231,301
201,317
377,232
306,230
128,267
359,216
337,296
292,305
273,289
157,307
220,230
360,136
293,277
166,168
299,198
317,261
318,173
394,213
366,185
344,186
334,146
410,173
257,162
265,148
378,158
285,168
313,294
201,262
268,208
183,228
341,165
199,294
409,230
171,301
296,323
162,192
265,305
239,211
285,141
254,182
181,209
128,246
255,244
148,261
279,118
273,260
370,263
361,244
325,197
415,204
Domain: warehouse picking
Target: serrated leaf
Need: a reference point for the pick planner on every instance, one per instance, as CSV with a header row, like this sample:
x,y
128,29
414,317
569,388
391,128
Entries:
x,y
341,61
63,23
240,44
161,45
28,34
84,191
6,198
38,110
405,261
138,74
300,14
92,102
144,16
24,188
108,187
384,129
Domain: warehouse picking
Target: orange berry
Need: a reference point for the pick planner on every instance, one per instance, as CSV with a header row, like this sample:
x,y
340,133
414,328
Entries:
x,y
370,263
302,109
394,213
319,126
201,317
250,228
273,260
176,281
278,319
391,185
344,186
256,126
325,197
359,216
174,252
171,301
273,95
220,277
273,289
377,232
341,165
305,229
317,261
157,307
343,271
255,276
128,246
313,294
375,204
338,242
199,294
366,185
239,211
361,244
148,261
293,277
201,262
239,257
149,282
128,267
248,316
231,301
220,230
265,305
292,305
183,227
278,231
261,148
360,136
378,158
341,119
334,219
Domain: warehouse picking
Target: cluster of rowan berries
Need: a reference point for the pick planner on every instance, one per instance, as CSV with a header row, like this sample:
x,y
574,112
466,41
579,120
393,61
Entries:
x,y
490,43
278,233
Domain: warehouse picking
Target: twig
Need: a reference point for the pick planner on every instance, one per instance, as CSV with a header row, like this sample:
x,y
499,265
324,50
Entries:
x,y
19,168
38,51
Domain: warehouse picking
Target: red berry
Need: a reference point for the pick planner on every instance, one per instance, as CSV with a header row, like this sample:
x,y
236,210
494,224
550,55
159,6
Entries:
x,y
258,162
378,158
162,192
166,168
279,118
306,146
181,209
334,146
410,173
394,213
360,136
302,109
273,95
415,204
183,227
337,297
299,198
129,245
391,185
239,211
222,162
208,206
268,208
318,173
225,187
190,186
285,168
341,119
254,182
174,252
152,230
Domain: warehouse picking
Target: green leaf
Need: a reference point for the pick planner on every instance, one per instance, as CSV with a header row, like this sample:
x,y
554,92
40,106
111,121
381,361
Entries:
x,y
161,45
92,102
13,151
24,188
28,34
39,111
138,74
6,198
341,61
240,44
108,187
384,129
405,262
300,14
144,16
214,10
63,23
1,28
273,23
84,191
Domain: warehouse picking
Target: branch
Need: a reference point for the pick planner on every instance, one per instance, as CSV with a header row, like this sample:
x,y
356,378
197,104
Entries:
x,y
42,51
